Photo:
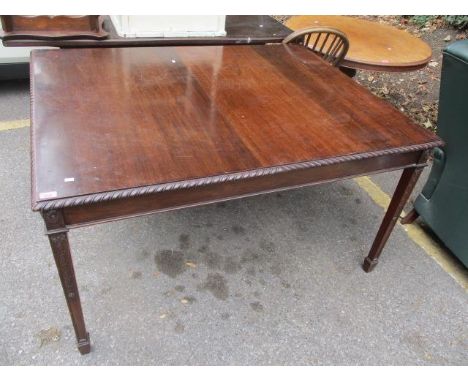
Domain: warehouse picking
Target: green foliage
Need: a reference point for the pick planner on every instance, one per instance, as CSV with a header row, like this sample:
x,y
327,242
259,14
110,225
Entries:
x,y
457,21
422,19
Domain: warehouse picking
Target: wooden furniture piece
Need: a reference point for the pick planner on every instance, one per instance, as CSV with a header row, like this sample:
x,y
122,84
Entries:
x,y
45,28
330,44
135,131
245,29
372,46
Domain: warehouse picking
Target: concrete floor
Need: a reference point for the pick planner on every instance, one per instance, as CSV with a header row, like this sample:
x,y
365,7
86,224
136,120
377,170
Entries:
x,y
273,279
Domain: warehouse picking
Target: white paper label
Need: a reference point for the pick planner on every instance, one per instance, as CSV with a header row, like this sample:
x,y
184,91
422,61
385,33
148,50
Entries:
x,y
47,195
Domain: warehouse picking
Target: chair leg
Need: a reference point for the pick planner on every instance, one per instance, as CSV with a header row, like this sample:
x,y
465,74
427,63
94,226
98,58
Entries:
x,y
410,217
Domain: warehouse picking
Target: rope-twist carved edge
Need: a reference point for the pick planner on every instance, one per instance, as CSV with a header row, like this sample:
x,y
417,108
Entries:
x,y
199,182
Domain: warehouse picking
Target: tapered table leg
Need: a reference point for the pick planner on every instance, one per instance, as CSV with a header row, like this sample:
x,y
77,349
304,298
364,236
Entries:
x,y
400,197
58,238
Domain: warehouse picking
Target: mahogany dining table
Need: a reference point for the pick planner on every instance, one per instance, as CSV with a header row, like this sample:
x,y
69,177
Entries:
x,y
124,132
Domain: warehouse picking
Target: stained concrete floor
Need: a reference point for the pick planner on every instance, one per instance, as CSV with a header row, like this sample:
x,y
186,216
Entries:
x,y
273,279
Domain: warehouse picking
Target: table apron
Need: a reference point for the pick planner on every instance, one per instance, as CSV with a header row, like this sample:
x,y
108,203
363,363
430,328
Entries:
x,y
382,68
82,215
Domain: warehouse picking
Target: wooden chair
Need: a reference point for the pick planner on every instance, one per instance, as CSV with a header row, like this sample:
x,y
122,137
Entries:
x,y
330,44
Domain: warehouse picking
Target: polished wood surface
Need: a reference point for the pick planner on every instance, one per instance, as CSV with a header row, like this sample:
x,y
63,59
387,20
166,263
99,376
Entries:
x,y
373,46
240,29
115,119
16,27
127,132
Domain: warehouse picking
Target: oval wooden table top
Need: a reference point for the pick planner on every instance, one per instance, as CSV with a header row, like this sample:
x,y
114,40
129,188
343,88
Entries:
x,y
372,46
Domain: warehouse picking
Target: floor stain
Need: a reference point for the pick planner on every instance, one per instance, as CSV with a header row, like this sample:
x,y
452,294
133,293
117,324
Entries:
x,y
231,265
169,293
357,201
250,256
179,288
238,230
49,335
267,246
276,269
144,254
184,241
135,275
418,343
257,306
285,284
105,291
225,316
256,294
345,191
217,285
179,328
212,260
170,262
302,226
203,249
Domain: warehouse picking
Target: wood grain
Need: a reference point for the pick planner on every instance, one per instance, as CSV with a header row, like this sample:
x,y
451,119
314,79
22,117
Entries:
x,y
113,119
372,45
17,27
131,131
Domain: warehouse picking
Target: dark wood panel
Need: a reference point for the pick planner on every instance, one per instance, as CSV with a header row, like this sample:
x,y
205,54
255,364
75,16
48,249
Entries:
x,y
115,119
244,29
17,27
255,27
173,199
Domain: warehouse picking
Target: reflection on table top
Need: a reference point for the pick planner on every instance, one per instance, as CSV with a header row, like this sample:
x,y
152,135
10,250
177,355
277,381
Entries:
x,y
120,118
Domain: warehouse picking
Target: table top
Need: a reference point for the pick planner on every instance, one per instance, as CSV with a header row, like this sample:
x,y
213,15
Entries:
x,y
125,118
372,45
240,29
